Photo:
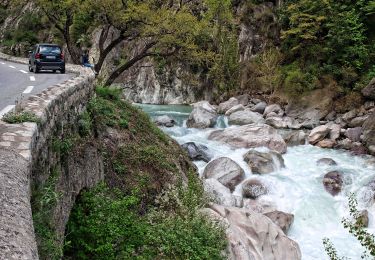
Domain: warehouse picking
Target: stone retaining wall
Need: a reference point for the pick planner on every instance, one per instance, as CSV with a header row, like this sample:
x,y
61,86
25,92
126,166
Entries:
x,y
21,145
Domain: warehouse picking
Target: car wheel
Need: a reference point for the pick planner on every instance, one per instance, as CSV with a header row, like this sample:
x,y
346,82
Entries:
x,y
62,71
30,68
36,69
54,71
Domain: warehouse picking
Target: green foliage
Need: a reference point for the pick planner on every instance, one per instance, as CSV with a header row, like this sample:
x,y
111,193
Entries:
x,y
20,117
63,145
296,81
355,226
44,199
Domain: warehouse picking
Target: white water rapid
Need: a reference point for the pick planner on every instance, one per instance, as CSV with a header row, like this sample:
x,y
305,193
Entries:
x,y
296,189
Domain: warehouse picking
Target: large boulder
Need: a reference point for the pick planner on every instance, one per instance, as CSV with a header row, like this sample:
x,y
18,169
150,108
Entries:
x,y
203,115
221,194
251,136
369,133
225,106
282,219
226,171
318,134
165,120
245,117
253,236
274,108
333,182
262,163
293,137
334,131
197,152
236,108
253,188
369,90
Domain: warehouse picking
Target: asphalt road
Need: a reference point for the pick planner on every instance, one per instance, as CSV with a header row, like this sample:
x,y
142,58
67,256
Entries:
x,y
16,82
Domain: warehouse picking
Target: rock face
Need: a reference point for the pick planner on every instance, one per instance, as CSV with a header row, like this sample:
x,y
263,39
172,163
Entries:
x,y
245,117
282,219
369,90
225,106
203,115
253,236
369,133
333,182
197,152
263,163
253,188
318,134
326,161
165,120
226,171
251,136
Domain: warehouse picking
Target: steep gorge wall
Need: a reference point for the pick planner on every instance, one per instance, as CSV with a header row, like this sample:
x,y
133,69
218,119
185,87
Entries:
x,y
26,155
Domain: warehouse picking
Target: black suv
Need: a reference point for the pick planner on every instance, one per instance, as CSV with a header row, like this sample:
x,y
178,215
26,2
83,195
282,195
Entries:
x,y
46,57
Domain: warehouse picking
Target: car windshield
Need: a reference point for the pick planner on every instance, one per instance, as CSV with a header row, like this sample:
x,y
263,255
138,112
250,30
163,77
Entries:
x,y
50,49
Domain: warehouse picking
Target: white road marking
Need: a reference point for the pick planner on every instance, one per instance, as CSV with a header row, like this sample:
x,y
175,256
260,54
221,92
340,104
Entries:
x,y
6,110
23,71
32,78
3,63
10,66
28,89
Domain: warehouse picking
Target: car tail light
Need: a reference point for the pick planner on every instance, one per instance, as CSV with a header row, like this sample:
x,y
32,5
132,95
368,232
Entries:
x,y
37,56
62,56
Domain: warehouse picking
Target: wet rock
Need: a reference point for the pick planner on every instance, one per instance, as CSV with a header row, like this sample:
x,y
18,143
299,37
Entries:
x,y
333,182
221,194
363,218
203,115
318,134
326,161
293,138
245,117
234,109
369,133
253,236
326,143
369,90
282,219
251,136
225,106
165,120
259,107
226,171
354,134
263,163
197,152
253,188
273,108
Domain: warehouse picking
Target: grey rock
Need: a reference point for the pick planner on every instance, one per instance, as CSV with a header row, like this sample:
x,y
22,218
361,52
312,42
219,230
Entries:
x,y
293,137
251,136
326,161
226,171
259,107
197,152
347,117
282,219
225,106
283,122
334,131
262,163
221,194
331,116
203,116
354,134
369,104
326,143
318,134
369,133
165,120
369,90
253,188
274,108
243,99
333,182
358,121
234,109
245,117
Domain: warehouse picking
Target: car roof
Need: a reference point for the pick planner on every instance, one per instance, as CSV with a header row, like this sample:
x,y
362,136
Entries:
x,y
48,44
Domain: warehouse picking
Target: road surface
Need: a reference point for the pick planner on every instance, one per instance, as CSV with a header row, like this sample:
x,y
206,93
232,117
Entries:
x,y
16,82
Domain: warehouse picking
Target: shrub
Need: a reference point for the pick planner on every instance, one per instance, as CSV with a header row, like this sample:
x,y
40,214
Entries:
x,y
20,117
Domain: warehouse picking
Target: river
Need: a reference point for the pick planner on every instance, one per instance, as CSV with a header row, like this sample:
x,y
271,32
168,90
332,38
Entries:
x,y
296,189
